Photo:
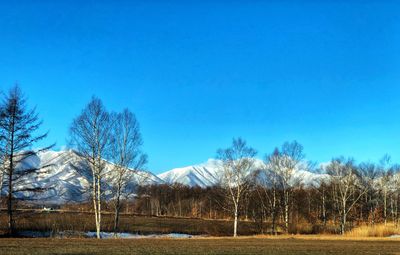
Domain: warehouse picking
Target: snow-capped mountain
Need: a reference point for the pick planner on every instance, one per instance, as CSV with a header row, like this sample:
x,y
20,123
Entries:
x,y
209,173
66,177
202,175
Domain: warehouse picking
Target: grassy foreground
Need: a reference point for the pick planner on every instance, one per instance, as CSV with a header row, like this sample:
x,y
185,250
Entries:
x,y
200,246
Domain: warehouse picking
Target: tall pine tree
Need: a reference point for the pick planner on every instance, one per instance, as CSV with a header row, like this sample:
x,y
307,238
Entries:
x,y
18,128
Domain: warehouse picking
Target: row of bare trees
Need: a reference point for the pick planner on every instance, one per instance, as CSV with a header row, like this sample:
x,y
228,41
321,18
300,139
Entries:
x,y
284,171
280,170
284,191
98,135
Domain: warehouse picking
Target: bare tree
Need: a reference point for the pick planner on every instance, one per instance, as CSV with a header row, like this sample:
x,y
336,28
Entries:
x,y
394,194
321,186
90,135
321,190
126,155
385,182
371,175
286,163
348,186
237,161
18,127
268,181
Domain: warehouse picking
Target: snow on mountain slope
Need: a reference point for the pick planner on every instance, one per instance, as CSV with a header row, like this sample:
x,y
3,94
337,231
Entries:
x,y
202,175
66,177
209,174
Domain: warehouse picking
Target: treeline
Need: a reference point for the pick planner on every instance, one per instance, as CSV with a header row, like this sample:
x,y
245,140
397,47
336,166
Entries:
x,y
279,194
285,193
312,209
343,194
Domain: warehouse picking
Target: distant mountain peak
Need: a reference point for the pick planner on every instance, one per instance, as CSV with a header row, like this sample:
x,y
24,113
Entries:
x,y
209,174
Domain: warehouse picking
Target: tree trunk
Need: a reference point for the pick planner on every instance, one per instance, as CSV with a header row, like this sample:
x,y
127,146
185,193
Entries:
x,y
396,211
385,206
286,211
95,202
273,212
235,223
343,224
116,216
11,228
323,208
99,207
343,219
9,208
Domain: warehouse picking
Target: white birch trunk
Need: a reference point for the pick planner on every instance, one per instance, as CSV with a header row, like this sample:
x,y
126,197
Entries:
x,y
235,223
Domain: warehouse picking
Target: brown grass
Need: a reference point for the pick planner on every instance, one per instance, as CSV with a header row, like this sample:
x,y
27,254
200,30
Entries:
x,y
379,230
83,222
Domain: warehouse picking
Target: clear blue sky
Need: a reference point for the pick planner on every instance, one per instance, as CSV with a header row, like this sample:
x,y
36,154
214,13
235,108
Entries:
x,y
198,73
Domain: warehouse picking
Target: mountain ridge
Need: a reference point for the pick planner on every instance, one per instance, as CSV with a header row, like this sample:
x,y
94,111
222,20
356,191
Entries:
x,y
67,177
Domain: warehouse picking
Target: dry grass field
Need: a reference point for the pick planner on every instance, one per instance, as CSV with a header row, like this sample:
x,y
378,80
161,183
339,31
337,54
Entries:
x,y
56,221
254,245
83,222
358,241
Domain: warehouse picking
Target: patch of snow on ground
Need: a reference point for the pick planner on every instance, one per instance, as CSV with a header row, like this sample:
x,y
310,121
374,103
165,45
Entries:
x,y
107,235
